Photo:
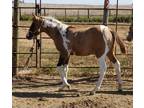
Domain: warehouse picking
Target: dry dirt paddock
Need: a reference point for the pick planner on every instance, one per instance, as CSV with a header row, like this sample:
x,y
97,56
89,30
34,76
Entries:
x,y
41,90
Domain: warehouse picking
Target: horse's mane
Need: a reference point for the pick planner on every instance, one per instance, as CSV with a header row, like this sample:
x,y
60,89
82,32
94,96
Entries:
x,y
58,23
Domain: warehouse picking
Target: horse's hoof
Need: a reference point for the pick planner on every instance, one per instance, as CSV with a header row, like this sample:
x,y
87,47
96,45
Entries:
x,y
92,93
61,88
69,87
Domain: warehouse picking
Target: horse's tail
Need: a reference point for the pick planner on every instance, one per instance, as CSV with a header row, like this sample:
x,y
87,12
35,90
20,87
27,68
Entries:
x,y
119,41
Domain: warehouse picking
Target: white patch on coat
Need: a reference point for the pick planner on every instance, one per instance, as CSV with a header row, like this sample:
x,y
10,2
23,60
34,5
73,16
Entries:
x,y
102,28
102,70
63,73
52,22
48,23
101,60
118,71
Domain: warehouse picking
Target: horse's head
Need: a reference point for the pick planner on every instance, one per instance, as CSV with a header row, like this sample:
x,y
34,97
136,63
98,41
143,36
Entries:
x,y
34,28
130,33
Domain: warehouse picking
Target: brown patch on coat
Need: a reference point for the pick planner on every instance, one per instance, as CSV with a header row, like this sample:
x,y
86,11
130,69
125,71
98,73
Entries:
x,y
86,41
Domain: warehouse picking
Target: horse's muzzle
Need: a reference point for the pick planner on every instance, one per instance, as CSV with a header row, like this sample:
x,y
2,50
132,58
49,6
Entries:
x,y
29,36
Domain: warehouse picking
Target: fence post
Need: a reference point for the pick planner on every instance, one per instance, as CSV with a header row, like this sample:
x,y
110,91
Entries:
x,y
105,15
15,36
116,15
65,14
44,12
88,15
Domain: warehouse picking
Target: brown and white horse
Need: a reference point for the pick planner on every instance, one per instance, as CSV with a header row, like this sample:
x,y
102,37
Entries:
x,y
97,40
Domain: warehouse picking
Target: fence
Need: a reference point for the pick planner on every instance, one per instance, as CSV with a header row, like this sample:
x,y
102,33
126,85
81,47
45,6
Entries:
x,y
47,56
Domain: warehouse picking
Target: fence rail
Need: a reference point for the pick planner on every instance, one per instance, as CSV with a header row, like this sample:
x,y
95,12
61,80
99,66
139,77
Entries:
x,y
64,13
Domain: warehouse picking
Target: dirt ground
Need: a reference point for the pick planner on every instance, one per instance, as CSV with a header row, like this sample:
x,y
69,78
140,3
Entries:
x,y
42,92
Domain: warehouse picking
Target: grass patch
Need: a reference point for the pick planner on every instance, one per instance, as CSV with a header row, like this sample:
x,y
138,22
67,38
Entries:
x,y
25,17
120,18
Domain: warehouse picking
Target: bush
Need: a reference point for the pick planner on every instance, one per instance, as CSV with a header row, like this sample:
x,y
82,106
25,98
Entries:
x,y
122,19
25,17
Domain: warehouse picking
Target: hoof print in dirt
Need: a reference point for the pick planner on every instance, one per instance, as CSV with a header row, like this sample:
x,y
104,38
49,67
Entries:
x,y
28,78
41,99
92,93
120,90
78,94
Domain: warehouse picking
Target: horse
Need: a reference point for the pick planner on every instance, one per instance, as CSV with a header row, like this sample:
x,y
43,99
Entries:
x,y
97,40
130,33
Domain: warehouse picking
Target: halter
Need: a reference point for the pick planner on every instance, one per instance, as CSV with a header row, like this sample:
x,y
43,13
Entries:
x,y
32,48
33,32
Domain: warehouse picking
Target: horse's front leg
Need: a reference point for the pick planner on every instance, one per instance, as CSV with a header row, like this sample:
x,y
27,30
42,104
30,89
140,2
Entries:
x,y
62,68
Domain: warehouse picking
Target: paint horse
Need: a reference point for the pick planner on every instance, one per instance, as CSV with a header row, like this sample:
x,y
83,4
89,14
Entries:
x,y
97,40
130,33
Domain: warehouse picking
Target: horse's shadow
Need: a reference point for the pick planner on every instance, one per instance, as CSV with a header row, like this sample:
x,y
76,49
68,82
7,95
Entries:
x,y
116,92
63,95
41,95
56,94
40,82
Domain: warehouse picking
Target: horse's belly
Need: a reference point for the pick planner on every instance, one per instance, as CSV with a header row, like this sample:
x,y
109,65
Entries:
x,y
82,52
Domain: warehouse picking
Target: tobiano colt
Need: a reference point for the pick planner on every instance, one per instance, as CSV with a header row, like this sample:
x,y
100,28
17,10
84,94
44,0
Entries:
x,y
97,40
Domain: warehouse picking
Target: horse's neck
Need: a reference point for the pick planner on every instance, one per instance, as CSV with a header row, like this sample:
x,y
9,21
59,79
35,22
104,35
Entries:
x,y
51,33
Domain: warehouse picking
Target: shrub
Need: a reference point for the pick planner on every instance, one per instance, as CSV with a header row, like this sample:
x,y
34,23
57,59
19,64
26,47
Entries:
x,y
25,17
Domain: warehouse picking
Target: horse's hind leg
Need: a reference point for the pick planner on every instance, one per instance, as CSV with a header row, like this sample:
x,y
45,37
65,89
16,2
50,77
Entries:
x,y
117,67
62,68
102,69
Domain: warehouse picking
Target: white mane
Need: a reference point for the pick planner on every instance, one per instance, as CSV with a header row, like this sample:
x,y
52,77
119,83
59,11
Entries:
x,y
52,22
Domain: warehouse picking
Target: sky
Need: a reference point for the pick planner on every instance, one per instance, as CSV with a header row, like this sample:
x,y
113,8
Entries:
x,y
90,2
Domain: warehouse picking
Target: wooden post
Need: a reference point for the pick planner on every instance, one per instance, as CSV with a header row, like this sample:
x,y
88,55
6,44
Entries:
x,y
105,15
15,36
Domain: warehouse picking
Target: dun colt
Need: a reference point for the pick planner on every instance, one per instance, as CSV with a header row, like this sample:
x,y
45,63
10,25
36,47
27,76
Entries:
x,y
97,40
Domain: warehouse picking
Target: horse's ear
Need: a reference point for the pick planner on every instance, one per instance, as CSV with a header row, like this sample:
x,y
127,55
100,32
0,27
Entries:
x,y
40,16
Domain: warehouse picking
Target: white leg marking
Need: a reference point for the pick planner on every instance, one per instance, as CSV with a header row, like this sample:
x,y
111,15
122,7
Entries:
x,y
102,62
63,73
102,70
66,70
118,74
